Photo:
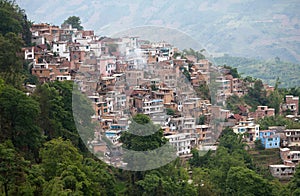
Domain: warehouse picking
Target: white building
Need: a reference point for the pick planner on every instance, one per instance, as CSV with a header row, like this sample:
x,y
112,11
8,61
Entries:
x,y
183,142
248,129
183,124
29,53
95,46
153,106
63,78
61,49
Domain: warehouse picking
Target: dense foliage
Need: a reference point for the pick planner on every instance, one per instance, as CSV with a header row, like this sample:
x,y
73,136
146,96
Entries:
x,y
74,21
267,70
41,152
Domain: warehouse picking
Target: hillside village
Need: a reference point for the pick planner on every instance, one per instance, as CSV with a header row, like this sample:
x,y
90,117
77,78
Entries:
x,y
126,76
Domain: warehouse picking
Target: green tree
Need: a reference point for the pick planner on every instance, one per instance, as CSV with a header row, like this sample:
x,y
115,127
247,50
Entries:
x,y
18,122
274,100
259,145
204,185
197,54
12,169
200,161
201,120
170,111
55,187
68,173
57,155
243,181
74,21
294,184
58,103
10,61
233,102
232,71
100,176
203,91
132,140
36,178
256,95
168,180
14,20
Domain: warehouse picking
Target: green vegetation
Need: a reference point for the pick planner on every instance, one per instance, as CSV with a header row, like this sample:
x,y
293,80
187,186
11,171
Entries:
x,y
203,91
135,138
170,111
278,121
41,152
231,170
232,71
14,20
267,70
74,21
197,54
263,158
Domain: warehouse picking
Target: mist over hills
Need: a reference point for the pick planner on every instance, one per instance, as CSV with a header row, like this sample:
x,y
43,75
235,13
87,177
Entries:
x,y
248,28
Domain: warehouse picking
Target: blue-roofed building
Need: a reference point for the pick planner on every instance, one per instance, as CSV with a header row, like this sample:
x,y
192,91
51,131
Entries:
x,y
269,139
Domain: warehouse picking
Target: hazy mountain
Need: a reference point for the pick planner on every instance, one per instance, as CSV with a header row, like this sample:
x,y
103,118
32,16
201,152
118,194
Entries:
x,y
250,28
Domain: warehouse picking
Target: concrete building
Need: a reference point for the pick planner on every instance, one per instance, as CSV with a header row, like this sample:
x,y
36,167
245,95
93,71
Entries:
x,y
269,139
248,129
261,112
283,172
153,106
291,104
183,142
292,137
204,134
290,157
61,48
107,65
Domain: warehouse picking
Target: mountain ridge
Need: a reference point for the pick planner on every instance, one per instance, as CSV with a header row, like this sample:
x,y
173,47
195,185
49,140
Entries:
x,y
248,28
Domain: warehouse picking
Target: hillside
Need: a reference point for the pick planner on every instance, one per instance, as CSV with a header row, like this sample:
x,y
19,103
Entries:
x,y
263,158
249,28
267,70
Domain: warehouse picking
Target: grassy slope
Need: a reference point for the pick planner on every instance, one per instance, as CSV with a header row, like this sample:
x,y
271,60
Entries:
x,y
267,70
263,158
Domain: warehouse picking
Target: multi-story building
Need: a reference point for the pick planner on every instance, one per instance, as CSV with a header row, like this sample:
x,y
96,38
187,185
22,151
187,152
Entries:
x,y
204,134
61,48
107,65
291,104
290,157
292,137
152,106
238,87
269,139
165,94
283,172
261,112
183,124
183,142
248,129
134,77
